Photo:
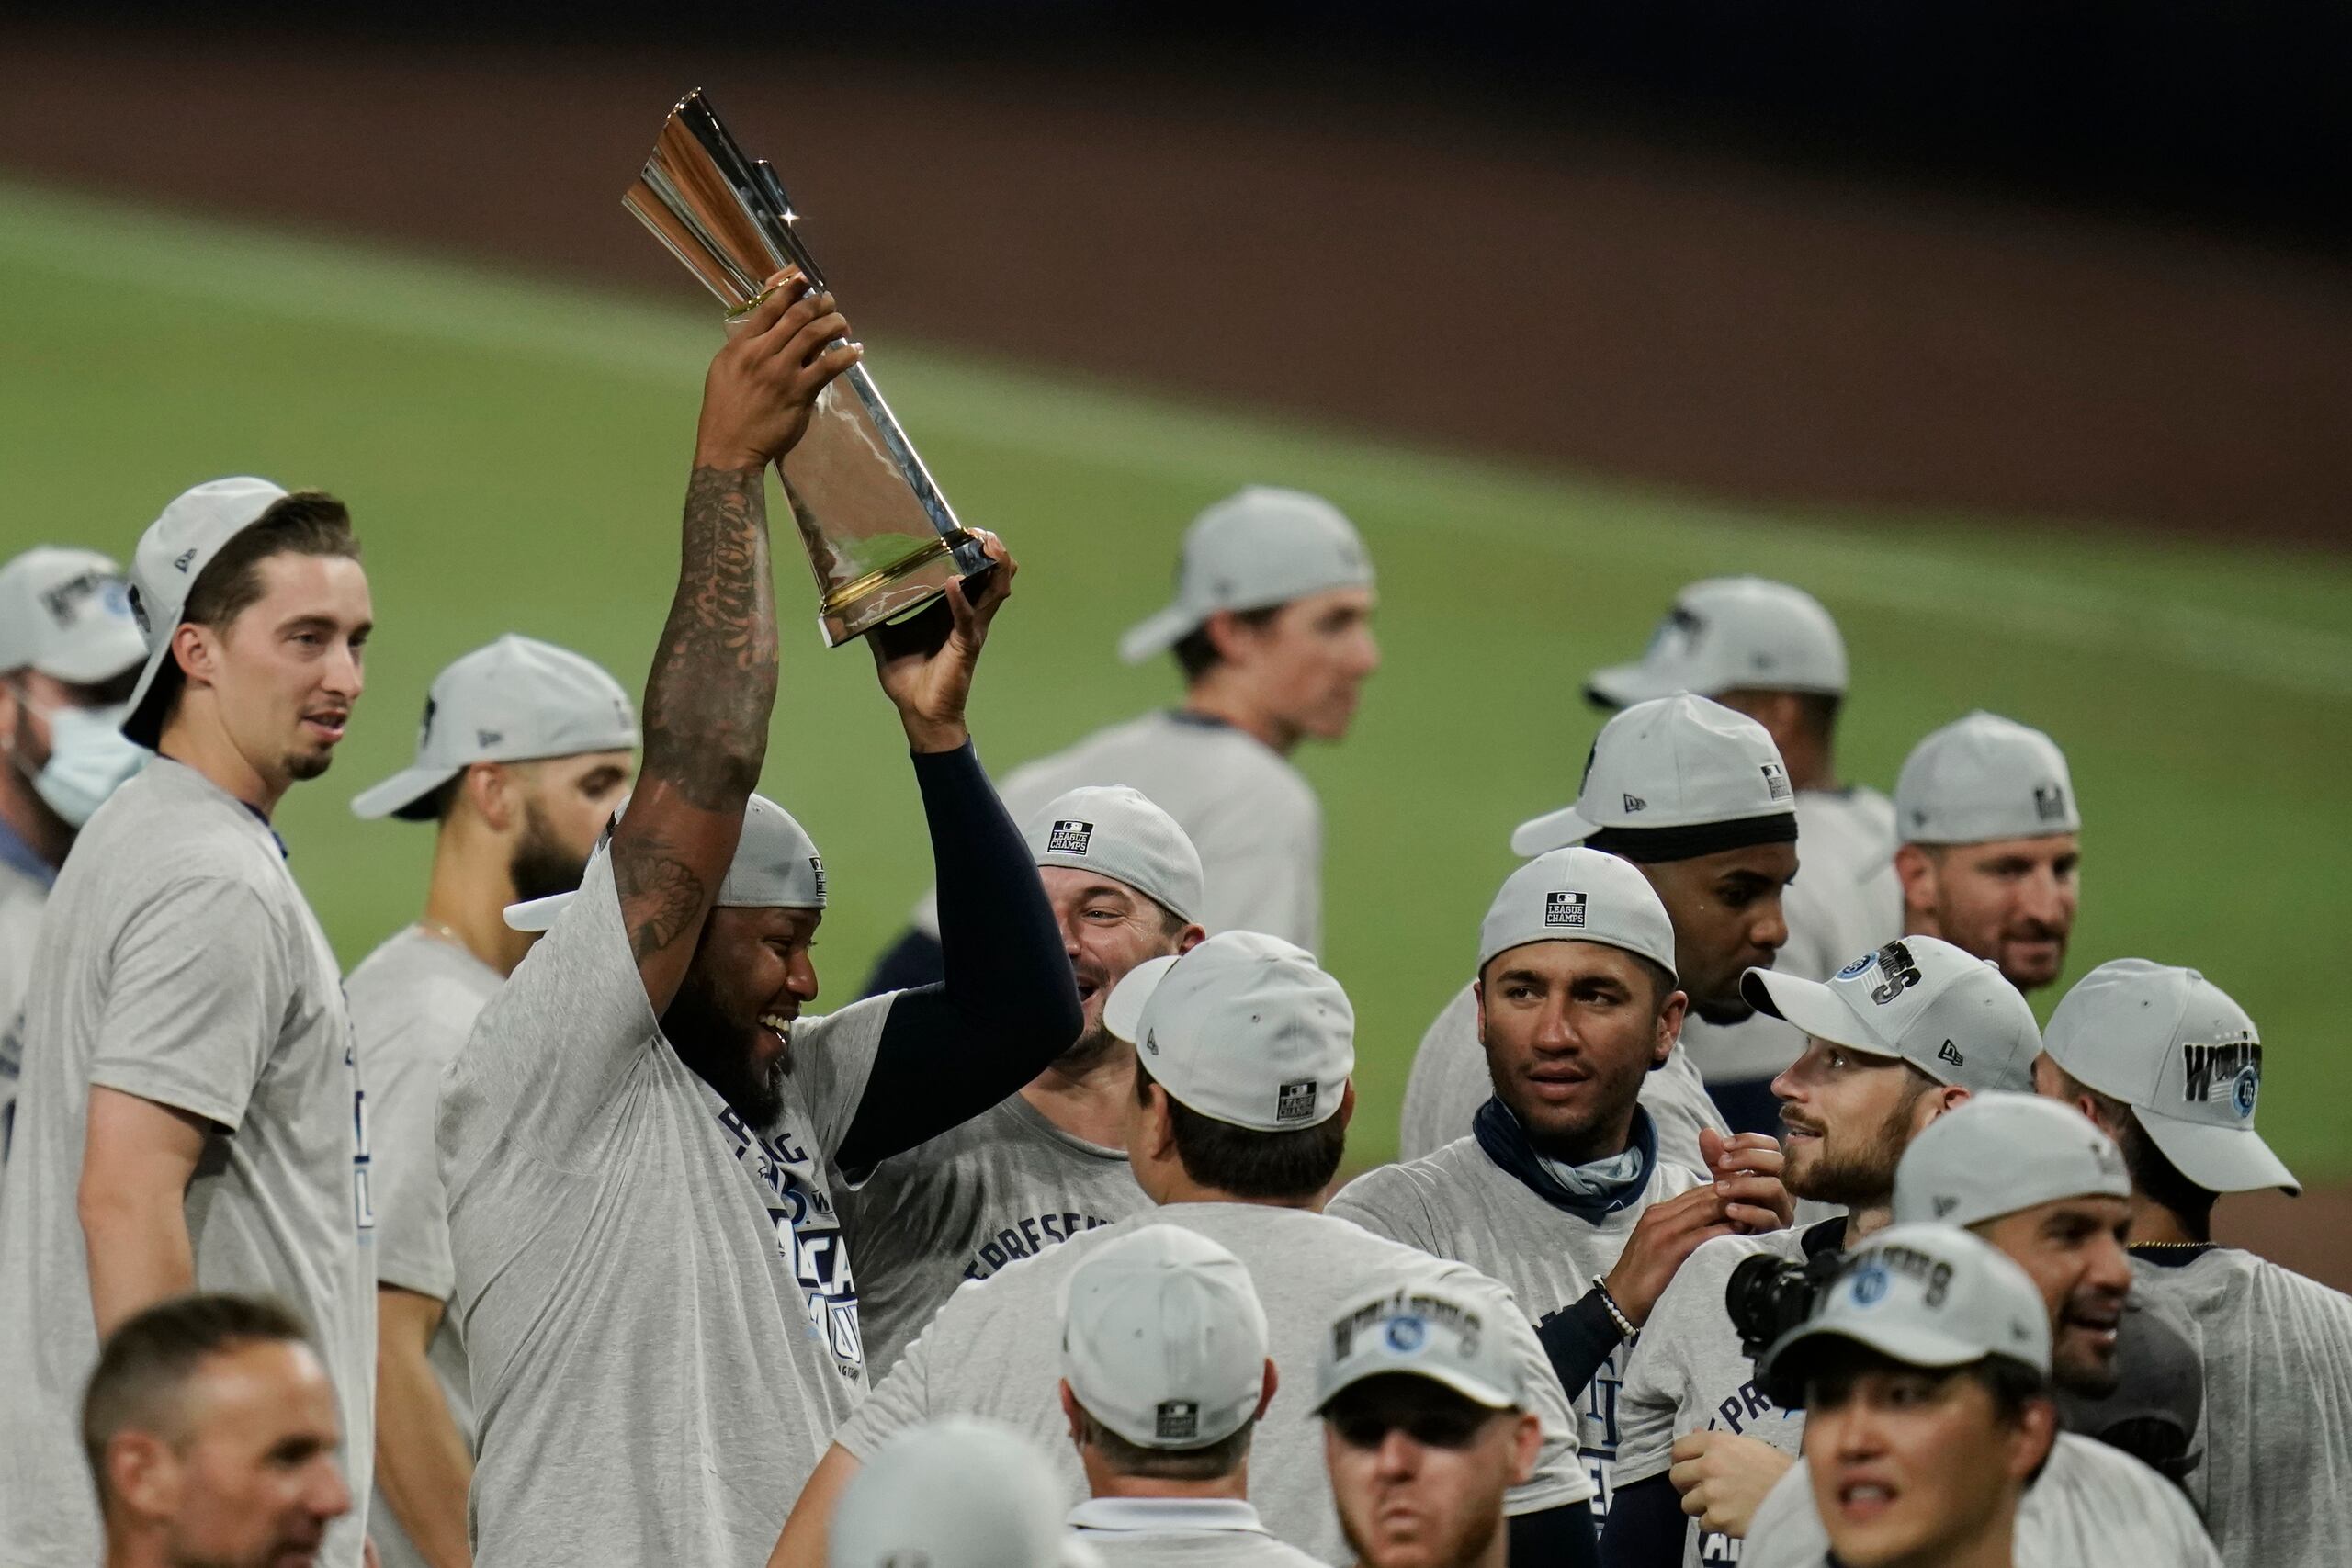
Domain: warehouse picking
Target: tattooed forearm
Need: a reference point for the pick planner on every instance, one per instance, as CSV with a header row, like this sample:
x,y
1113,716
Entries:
x,y
662,896
713,687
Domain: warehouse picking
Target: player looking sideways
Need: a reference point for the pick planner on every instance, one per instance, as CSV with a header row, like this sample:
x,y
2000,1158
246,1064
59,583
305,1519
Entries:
x,y
522,756
210,1426
1426,1427
1271,629
1051,1160
1992,845
69,654
190,1109
636,1138
1559,1191
2170,1068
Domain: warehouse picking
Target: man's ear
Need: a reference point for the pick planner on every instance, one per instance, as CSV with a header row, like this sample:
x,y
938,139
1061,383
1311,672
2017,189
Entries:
x,y
495,792
1526,1447
1273,1382
1069,1410
1478,996
1941,1101
143,1473
1670,1027
1234,639
1914,868
2029,1447
1348,1102
197,652
1159,1125
1190,938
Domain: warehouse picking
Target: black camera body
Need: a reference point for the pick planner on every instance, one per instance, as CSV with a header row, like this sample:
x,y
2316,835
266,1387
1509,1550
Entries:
x,y
1766,1296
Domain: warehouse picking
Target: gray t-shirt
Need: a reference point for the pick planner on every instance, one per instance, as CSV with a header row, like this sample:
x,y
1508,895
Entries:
x,y
1180,1532
414,1002
1001,1187
1459,1203
659,1319
24,890
2092,1505
2277,1438
1688,1375
995,1351
179,962
1253,816
1450,1081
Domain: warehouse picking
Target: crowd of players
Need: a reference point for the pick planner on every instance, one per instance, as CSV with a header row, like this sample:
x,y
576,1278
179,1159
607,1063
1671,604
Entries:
x,y
1746,1215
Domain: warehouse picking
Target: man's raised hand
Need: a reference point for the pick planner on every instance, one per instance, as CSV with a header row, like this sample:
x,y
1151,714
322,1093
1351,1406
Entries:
x,y
930,684
761,385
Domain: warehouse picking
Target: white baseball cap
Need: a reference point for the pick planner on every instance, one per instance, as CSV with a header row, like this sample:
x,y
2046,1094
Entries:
x,y
1578,895
66,612
1925,1295
1983,778
1259,547
1674,762
2000,1153
1244,1029
960,1491
514,701
1163,1339
171,554
1921,999
1425,1332
1729,633
1118,832
776,866
2173,1046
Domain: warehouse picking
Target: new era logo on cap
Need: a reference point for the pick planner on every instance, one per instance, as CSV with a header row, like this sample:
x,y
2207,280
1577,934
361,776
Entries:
x,y
180,562
1635,802
1950,1052
1178,1420
1564,909
1294,1101
1069,837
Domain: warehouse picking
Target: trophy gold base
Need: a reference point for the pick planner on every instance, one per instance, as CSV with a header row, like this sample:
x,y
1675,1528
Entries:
x,y
904,588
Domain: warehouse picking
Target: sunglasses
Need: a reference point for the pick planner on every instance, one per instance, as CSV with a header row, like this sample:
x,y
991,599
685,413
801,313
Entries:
x,y
1440,1427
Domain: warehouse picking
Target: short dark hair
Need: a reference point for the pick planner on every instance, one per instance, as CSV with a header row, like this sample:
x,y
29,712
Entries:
x,y
1246,1162
306,522
151,1356
2152,1173
1196,655
1211,1461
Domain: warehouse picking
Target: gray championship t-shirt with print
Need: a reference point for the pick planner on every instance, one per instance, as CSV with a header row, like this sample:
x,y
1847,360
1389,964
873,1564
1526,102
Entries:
x,y
2091,1504
1459,1203
2275,1483
1450,1081
1253,817
1688,1375
414,1002
659,1315
995,1351
1180,1532
179,962
23,893
1004,1185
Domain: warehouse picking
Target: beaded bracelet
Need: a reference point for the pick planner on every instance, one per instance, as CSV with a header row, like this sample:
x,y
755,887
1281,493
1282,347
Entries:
x,y
1616,1313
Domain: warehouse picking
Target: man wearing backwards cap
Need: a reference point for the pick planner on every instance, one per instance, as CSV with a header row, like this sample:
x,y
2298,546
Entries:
x,y
1164,1376
1694,795
1925,1367
1558,1190
69,652
2162,1060
1244,1053
2026,1175
1048,1162
522,759
660,1322
958,1493
190,1107
1897,1039
1771,651
1991,846
1425,1428
1272,628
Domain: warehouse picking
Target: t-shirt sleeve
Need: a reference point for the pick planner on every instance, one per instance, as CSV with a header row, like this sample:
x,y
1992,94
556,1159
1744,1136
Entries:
x,y
412,1211
1655,1378
198,996
563,1033
1560,1475
832,1059
899,1401
1386,1202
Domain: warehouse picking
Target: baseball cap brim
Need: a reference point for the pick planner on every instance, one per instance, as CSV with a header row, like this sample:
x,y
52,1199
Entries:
x,y
95,660
1908,1343
1554,831
1812,1006
1123,1008
395,795
537,914
1623,685
1477,1391
2219,1159
1157,633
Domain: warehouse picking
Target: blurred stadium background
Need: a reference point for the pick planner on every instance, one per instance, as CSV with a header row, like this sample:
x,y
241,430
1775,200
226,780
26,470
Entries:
x,y
2026,347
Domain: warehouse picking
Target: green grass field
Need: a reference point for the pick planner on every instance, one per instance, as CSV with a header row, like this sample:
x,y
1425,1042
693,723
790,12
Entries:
x,y
514,455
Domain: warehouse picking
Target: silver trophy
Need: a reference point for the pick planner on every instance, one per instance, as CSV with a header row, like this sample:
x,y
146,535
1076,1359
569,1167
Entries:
x,y
882,540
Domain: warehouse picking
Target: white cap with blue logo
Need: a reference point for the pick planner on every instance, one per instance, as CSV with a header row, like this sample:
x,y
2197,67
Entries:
x,y
66,612
1443,1335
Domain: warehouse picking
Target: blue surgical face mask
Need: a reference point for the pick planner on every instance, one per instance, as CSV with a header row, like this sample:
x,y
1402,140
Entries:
x,y
88,758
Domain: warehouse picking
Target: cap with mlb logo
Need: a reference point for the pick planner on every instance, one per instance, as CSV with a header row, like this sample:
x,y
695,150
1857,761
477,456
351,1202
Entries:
x,y
2001,1153
1578,895
1731,634
1257,548
1423,1332
1673,779
171,554
1983,778
2173,1046
517,700
1244,1029
66,612
1921,999
776,866
1163,1338
1120,833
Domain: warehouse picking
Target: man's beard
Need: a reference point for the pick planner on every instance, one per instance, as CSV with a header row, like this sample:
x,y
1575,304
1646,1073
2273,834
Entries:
x,y
1862,1177
304,766
1474,1529
539,866
720,1053
1722,1010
